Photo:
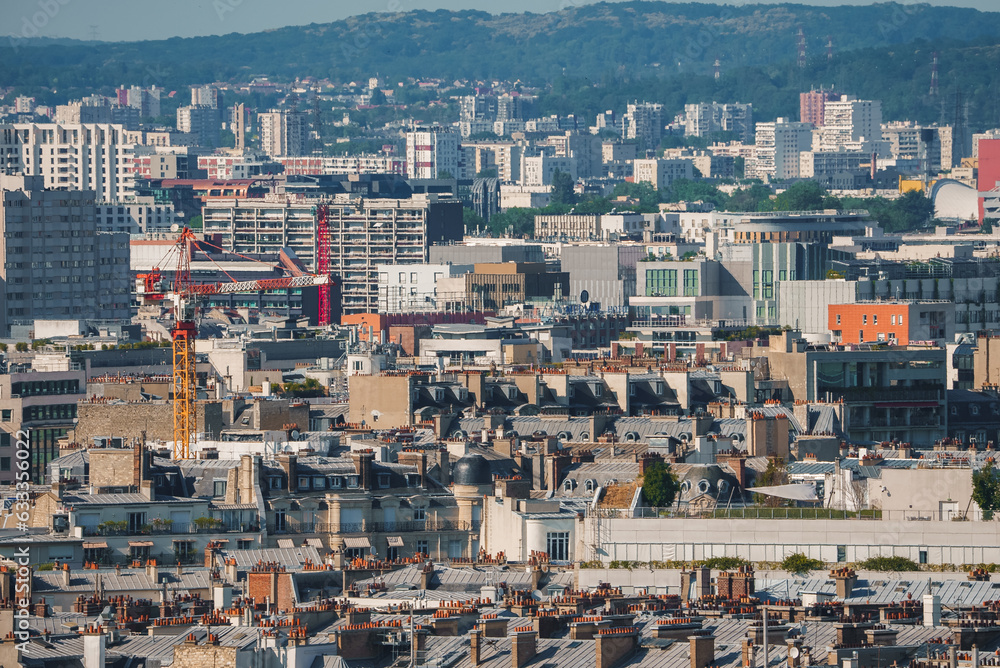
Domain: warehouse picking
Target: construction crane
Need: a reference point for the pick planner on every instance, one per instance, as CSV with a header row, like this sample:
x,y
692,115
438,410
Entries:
x,y
183,297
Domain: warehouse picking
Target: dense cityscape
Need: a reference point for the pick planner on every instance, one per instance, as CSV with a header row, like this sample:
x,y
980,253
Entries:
x,y
433,369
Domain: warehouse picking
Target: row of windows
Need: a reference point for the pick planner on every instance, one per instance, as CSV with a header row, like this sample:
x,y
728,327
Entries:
x,y
663,282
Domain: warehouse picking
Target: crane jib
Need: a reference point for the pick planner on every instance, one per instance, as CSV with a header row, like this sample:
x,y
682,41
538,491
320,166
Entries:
x,y
256,286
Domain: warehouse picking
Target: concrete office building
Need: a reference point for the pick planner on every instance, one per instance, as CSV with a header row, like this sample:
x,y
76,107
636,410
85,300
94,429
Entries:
x,y
283,133
605,272
138,216
56,264
413,288
72,157
466,254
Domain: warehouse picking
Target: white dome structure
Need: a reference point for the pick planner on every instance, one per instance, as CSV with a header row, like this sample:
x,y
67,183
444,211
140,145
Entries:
x,y
954,200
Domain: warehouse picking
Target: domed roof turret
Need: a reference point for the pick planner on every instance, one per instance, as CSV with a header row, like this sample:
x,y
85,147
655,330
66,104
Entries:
x,y
472,470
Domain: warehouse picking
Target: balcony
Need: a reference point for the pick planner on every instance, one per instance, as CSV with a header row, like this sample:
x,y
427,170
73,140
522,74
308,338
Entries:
x,y
168,529
294,527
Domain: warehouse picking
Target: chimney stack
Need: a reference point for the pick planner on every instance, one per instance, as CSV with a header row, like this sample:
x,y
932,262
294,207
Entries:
x,y
524,645
474,645
94,647
702,651
614,645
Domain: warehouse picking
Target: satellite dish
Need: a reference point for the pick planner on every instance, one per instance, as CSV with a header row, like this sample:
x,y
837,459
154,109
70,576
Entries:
x,y
794,652
175,228
584,297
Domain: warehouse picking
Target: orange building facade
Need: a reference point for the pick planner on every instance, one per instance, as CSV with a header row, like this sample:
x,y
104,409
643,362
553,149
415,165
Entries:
x,y
871,322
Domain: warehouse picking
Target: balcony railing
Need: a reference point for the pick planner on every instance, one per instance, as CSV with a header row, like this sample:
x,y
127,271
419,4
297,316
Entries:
x,y
171,529
293,527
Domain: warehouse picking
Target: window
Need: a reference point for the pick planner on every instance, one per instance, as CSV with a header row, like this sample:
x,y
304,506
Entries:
x,y
392,553
864,319
220,488
894,319
900,318
303,482
5,414
923,556
279,520
875,319
244,544
838,318
4,463
135,522
419,514
974,409
422,547
352,481
841,553
690,282
383,480
557,545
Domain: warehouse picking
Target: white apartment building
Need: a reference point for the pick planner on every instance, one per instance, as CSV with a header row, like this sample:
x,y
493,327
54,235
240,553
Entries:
x,y
146,100
813,164
431,152
779,148
205,96
662,172
644,121
701,120
283,133
538,170
81,156
851,124
55,264
236,166
411,288
930,145
505,157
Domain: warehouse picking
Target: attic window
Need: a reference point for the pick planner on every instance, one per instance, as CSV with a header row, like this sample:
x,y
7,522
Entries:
x,y
568,484
589,485
219,488
336,482
598,390
274,483
303,482
352,481
383,480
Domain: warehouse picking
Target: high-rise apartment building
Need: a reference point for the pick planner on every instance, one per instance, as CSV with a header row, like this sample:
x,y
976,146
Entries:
x,y
660,172
54,263
644,121
363,234
207,96
930,146
779,145
431,152
201,121
80,156
702,120
283,133
853,125
813,104
146,100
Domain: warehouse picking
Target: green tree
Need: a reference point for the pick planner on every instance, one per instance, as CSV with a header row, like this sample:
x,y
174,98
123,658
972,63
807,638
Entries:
x,y
986,489
659,485
515,221
755,198
445,174
685,190
472,220
801,196
488,173
649,198
776,473
799,563
307,389
562,188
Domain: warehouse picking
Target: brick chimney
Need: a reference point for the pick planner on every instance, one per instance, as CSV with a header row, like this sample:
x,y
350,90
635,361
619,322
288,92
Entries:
x,y
524,645
363,466
474,646
702,651
615,645
415,459
289,464
647,460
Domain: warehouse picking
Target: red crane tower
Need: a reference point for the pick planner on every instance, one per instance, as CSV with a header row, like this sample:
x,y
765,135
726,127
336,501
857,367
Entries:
x,y
183,295
323,261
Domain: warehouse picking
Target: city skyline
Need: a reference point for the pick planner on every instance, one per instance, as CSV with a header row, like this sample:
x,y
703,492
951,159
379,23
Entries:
x,y
122,20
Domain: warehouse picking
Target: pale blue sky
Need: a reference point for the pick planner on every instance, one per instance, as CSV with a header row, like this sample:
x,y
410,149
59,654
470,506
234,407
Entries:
x,y
158,19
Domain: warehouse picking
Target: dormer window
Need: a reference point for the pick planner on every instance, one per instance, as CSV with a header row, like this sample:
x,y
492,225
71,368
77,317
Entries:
x,y
383,480
352,481
274,483
336,482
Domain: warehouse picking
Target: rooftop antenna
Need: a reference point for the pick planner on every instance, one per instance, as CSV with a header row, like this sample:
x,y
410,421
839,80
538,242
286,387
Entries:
x,y
95,33
716,66
829,47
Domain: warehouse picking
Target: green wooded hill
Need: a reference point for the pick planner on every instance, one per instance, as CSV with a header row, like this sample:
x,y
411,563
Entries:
x,y
604,42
